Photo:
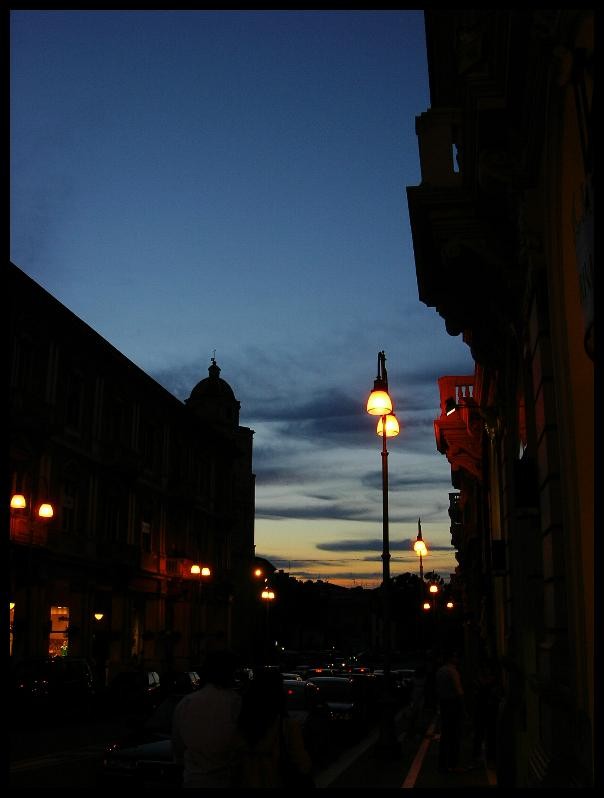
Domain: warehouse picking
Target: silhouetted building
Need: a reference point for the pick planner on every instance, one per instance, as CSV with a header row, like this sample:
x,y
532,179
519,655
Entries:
x,y
502,228
142,487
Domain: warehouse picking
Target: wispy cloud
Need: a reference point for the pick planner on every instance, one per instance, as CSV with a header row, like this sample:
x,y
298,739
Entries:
x,y
375,544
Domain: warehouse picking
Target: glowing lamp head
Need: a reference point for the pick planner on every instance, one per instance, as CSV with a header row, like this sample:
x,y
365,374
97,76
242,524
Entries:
x,y
392,427
18,502
420,548
205,571
426,606
195,569
449,605
379,402
433,589
268,595
46,510
99,616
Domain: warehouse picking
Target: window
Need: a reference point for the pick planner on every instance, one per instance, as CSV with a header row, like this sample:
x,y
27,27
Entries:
x,y
69,507
74,401
146,536
58,643
22,373
112,519
118,422
147,443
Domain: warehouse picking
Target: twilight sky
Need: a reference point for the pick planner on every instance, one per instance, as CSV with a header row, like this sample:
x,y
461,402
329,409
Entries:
x,y
191,181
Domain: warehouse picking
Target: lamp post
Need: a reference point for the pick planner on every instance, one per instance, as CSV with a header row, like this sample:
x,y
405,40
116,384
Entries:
x,y
201,573
267,596
22,507
380,404
421,550
433,608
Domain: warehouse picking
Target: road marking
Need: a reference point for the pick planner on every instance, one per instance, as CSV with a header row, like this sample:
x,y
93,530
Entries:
x,y
331,773
416,765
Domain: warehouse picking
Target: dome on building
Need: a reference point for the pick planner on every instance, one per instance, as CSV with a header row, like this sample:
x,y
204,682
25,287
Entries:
x,y
213,398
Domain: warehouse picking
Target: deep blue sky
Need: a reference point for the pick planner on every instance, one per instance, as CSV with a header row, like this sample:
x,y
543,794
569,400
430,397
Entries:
x,y
191,181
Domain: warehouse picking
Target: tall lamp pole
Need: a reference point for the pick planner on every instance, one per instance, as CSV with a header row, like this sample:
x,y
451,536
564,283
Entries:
x,y
380,404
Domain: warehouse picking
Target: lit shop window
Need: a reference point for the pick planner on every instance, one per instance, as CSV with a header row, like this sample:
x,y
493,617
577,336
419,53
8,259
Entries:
x,y
59,621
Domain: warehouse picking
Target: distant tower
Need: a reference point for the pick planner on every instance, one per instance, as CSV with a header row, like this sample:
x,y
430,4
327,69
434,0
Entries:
x,y
213,400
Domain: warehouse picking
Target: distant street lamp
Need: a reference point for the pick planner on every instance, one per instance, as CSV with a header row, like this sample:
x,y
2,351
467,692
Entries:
x,y
433,608
380,404
267,596
421,550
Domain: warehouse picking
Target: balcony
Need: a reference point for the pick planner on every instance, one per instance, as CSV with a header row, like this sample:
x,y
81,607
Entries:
x,y
458,430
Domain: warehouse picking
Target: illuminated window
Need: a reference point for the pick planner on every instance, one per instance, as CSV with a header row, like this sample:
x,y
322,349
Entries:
x,y
58,642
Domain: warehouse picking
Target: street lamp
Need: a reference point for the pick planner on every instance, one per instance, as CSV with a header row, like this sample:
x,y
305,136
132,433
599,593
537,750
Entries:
x,y
267,596
201,572
432,607
421,550
419,547
380,404
23,511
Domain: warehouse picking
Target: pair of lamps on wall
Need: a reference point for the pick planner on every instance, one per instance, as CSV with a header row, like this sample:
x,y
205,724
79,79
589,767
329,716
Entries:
x,y
19,502
200,570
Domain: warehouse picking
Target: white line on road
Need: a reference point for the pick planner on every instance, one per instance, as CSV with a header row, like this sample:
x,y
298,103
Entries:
x,y
416,765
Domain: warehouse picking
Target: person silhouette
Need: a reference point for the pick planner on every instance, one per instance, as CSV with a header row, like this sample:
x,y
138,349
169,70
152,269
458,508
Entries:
x,y
274,754
204,728
450,695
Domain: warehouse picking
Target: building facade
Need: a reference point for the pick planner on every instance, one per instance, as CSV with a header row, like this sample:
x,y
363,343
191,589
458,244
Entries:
x,y
502,227
142,486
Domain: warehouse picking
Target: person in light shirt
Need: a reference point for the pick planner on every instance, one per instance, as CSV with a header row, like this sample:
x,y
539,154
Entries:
x,y
204,730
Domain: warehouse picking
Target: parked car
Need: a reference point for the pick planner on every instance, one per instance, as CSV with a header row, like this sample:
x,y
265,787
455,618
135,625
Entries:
x,y
302,703
300,697
52,687
134,691
180,682
342,703
143,758
320,671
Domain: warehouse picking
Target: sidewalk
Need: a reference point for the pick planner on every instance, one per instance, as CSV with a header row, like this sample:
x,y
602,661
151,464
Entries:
x,y
415,766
